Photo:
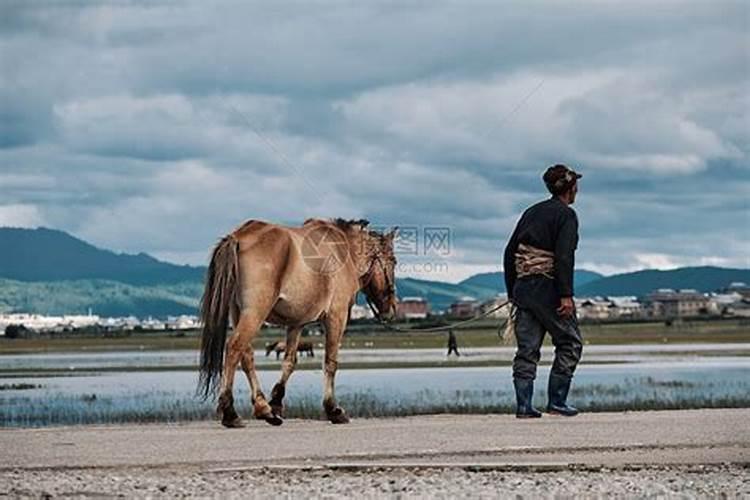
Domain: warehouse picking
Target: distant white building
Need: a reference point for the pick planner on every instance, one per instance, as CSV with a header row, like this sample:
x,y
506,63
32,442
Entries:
x,y
182,322
360,312
126,323
488,305
42,323
593,308
153,324
626,307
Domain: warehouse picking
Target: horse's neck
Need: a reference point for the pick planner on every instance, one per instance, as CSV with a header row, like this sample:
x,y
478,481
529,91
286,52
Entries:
x,y
362,251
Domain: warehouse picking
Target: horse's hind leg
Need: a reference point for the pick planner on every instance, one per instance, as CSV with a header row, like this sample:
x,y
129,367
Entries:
x,y
261,409
225,408
287,367
248,327
237,348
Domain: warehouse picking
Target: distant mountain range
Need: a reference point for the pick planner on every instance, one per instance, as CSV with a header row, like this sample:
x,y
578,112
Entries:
x,y
51,272
51,255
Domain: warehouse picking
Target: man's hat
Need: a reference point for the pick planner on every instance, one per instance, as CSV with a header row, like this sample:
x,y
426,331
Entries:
x,y
560,178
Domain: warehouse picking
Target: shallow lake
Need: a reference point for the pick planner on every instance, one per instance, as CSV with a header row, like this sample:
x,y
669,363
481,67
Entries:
x,y
619,377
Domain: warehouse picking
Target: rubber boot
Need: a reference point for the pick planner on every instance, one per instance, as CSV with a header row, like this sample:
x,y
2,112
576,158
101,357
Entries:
x,y
557,393
524,394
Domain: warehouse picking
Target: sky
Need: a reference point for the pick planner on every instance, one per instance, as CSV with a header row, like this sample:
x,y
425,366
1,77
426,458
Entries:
x,y
159,127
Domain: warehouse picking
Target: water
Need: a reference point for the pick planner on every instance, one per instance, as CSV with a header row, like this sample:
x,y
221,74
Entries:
x,y
135,359
617,377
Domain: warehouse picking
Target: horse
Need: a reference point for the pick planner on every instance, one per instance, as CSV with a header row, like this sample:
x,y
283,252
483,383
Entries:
x,y
288,276
279,347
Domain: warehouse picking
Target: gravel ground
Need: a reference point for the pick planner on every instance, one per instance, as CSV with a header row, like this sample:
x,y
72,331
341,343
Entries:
x,y
727,481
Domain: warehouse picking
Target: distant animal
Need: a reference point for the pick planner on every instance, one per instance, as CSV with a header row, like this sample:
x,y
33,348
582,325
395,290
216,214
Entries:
x,y
279,347
288,276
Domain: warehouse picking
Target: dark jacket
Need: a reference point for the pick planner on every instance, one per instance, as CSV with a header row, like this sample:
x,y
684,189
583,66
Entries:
x,y
550,225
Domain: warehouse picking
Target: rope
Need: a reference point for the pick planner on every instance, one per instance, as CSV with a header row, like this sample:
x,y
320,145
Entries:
x,y
444,328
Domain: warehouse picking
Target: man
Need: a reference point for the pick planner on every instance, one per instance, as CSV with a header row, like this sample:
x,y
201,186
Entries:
x,y
539,278
452,343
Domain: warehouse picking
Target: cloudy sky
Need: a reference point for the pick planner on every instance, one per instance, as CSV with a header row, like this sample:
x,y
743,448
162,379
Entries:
x,y
159,127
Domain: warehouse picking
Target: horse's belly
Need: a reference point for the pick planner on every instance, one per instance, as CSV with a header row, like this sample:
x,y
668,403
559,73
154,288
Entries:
x,y
293,312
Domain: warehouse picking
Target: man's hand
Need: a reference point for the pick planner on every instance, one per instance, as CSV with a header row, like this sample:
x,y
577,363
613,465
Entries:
x,y
567,307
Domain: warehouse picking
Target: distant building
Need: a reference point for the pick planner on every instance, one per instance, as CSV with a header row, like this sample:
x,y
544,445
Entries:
x,y
739,287
412,308
42,323
593,308
626,307
182,322
740,309
493,303
126,323
360,312
668,303
720,303
465,307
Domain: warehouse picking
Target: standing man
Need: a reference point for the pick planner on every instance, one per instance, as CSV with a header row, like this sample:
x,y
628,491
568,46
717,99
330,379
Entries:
x,y
539,279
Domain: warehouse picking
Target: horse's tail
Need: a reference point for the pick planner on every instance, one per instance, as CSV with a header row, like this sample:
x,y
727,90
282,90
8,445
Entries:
x,y
219,296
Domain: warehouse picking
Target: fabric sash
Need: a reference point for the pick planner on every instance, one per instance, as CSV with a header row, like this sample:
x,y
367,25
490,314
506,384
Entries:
x,y
531,260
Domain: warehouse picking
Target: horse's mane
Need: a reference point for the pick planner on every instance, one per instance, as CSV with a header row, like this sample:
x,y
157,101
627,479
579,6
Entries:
x,y
349,223
362,224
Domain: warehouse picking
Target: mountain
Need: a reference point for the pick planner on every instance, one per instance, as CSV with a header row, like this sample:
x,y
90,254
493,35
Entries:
x,y
480,286
640,283
52,272
439,294
50,255
496,281
102,297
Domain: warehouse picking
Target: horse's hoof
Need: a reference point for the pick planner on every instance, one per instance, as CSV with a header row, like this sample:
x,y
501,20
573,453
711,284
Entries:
x,y
277,409
272,419
235,423
338,416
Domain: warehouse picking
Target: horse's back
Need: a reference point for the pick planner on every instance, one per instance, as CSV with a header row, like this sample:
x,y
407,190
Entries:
x,y
273,264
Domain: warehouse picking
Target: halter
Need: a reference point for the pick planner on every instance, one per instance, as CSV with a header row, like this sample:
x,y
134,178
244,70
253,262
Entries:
x,y
367,278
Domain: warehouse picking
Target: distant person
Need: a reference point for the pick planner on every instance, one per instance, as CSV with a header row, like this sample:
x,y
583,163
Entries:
x,y
538,264
452,343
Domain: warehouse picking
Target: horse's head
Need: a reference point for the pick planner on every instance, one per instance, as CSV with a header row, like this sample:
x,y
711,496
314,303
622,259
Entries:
x,y
380,280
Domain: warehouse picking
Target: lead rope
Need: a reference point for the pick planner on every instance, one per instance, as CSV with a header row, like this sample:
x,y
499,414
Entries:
x,y
509,329
507,324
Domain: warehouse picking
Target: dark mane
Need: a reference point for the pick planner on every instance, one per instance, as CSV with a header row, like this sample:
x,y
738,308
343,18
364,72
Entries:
x,y
345,224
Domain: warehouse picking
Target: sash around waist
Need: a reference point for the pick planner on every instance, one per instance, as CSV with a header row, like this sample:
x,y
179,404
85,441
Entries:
x,y
534,261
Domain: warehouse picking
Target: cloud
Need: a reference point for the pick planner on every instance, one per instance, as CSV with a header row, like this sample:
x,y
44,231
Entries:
x,y
20,216
159,127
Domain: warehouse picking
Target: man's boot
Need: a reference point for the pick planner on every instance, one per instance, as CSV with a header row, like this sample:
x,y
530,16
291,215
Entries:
x,y
557,393
524,394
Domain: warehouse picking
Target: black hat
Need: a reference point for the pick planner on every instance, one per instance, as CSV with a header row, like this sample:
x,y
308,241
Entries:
x,y
560,178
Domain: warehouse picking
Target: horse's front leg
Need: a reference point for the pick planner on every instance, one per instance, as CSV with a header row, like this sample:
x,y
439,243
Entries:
x,y
287,368
335,324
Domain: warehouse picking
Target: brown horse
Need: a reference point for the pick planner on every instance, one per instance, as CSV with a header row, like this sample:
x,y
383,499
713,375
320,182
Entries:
x,y
288,276
279,347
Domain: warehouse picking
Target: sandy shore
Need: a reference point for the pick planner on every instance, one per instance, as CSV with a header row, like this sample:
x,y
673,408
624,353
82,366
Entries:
x,y
683,453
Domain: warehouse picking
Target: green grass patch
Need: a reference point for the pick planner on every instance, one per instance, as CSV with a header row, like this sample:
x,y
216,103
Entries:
x,y
480,334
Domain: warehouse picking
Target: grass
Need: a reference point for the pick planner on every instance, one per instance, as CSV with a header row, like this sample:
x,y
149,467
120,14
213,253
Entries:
x,y
638,394
480,334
